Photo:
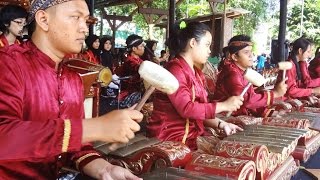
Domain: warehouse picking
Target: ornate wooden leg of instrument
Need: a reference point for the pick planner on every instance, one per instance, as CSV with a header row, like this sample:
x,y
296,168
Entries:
x,y
286,170
303,152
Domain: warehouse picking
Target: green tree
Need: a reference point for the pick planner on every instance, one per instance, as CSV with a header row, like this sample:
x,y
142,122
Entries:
x,y
247,23
311,21
188,8
191,8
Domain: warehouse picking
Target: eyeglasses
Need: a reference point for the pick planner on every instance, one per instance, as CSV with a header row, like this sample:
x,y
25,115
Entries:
x,y
20,23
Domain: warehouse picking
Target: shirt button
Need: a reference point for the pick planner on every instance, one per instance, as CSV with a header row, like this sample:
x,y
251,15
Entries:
x,y
61,102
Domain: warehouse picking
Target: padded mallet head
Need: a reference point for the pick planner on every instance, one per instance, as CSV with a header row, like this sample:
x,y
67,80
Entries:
x,y
254,77
285,65
158,77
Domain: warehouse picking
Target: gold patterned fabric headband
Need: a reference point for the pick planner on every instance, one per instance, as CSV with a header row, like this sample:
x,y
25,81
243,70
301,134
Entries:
x,y
37,5
236,46
241,43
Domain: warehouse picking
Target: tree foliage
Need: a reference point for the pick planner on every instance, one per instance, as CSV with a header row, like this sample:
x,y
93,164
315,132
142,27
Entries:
x,y
247,24
192,8
311,20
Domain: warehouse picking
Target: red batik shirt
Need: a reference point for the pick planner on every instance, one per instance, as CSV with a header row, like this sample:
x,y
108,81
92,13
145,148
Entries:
x,y
314,68
308,82
231,82
41,115
170,113
89,56
296,88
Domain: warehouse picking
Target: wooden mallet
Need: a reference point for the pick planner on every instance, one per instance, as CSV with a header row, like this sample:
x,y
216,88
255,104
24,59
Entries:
x,y
284,66
159,78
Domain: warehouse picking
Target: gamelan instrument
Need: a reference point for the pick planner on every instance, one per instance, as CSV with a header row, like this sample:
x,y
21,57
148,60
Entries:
x,y
90,72
178,174
270,147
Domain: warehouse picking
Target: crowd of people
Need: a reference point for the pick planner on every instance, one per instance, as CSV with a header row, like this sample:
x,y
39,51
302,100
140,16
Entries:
x,y
42,124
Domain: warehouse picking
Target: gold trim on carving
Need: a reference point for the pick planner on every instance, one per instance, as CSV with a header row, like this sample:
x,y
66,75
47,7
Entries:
x,y
66,135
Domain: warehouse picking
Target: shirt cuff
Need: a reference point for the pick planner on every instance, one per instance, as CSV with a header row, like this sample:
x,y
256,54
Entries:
x,y
72,135
270,98
86,159
211,110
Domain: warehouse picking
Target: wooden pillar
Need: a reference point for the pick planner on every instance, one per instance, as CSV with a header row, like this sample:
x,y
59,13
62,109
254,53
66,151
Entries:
x,y
90,4
223,21
282,29
151,31
172,14
213,31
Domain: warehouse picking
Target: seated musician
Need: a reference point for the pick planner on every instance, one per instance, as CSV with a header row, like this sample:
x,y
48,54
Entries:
x,y
132,88
300,85
314,65
231,81
42,125
183,115
12,21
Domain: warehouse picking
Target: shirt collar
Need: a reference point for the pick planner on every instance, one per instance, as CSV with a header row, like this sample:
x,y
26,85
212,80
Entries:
x,y
40,55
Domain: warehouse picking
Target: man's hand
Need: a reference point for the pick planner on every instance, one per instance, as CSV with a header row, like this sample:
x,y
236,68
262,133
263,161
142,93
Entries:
x,y
115,126
117,173
103,170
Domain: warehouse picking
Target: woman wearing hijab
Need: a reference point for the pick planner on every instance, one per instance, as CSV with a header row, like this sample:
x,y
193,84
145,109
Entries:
x,y
107,56
93,52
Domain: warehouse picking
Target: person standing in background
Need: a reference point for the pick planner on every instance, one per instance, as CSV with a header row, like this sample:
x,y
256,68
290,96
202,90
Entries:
x,y
261,60
107,56
92,54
